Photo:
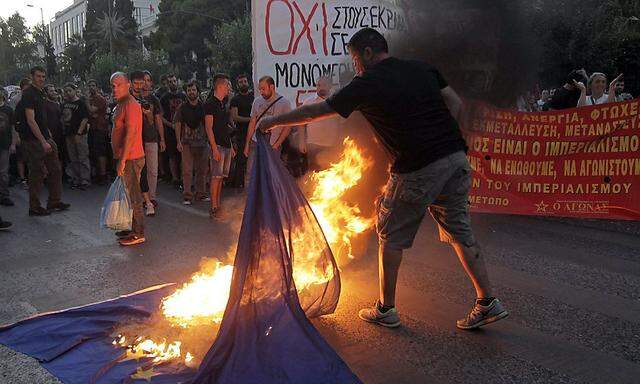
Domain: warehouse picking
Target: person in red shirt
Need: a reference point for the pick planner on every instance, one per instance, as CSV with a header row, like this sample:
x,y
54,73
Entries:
x,y
126,142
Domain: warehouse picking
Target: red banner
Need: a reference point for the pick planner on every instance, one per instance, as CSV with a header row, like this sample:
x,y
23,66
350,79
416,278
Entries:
x,y
582,162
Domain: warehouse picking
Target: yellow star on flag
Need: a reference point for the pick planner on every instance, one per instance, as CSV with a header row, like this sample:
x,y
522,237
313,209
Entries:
x,y
542,207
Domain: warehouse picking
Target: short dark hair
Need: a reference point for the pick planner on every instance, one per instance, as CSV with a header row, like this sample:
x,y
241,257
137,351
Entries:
x,y
170,75
163,77
92,81
268,79
25,81
218,77
38,68
193,83
242,76
46,87
70,85
368,38
136,75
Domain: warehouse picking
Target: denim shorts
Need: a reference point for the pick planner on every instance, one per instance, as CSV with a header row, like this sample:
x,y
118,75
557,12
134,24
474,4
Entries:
x,y
220,169
441,187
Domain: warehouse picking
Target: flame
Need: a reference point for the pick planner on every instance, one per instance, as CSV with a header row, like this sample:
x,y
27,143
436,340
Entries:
x,y
203,299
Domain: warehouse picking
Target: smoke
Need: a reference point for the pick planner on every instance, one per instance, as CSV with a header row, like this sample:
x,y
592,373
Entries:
x,y
483,48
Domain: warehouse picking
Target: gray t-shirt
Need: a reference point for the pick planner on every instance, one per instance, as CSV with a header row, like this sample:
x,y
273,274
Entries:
x,y
260,104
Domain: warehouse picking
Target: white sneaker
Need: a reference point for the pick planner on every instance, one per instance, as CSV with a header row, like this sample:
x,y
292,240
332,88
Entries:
x,y
387,319
482,315
151,211
186,202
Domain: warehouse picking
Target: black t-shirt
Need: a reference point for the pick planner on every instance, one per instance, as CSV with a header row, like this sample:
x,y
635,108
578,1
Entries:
x,y
149,130
170,103
243,103
402,100
564,98
221,120
192,119
32,98
73,112
6,122
54,118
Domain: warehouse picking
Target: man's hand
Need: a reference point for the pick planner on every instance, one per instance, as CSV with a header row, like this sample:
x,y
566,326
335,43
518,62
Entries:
x,y
265,124
47,147
12,148
275,146
121,165
614,82
215,154
163,146
179,147
580,85
246,151
233,152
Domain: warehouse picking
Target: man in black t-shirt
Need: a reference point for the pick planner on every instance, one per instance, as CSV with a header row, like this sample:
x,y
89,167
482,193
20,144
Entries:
x,y
39,148
75,117
193,144
240,109
413,112
170,103
216,123
568,95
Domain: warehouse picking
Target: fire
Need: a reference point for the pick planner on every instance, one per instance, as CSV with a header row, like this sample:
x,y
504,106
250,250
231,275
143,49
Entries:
x,y
202,300
340,221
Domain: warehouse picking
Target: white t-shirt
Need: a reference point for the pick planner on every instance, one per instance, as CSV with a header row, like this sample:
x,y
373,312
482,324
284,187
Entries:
x,y
323,132
260,104
601,100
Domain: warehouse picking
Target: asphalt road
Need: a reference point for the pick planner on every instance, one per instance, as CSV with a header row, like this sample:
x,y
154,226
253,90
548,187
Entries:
x,y
572,287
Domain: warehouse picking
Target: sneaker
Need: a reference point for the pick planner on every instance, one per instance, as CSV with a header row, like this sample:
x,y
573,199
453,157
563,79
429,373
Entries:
x,y
132,240
58,207
7,202
482,315
150,210
25,184
39,212
5,225
205,198
123,234
83,187
387,319
187,202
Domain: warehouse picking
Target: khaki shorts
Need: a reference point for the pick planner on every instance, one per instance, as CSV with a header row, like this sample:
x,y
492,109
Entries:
x,y
442,187
220,169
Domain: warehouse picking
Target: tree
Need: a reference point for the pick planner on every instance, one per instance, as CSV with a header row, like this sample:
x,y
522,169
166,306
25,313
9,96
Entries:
x,y
18,52
186,28
41,36
232,47
110,27
74,63
104,65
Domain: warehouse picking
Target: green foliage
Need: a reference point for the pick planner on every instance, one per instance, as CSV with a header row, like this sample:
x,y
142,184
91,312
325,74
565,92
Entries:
x,y
600,36
18,51
110,30
104,65
73,61
42,38
231,47
187,28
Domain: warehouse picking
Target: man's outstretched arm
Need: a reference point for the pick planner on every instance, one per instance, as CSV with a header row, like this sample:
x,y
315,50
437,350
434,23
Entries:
x,y
303,115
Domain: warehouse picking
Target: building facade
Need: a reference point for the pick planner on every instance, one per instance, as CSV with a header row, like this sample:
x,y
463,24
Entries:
x,y
72,20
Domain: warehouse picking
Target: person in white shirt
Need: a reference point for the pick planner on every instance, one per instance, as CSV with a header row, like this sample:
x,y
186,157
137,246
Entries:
x,y
597,84
321,137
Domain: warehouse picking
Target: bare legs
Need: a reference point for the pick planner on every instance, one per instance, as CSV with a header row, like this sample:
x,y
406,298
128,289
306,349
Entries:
x,y
215,188
389,261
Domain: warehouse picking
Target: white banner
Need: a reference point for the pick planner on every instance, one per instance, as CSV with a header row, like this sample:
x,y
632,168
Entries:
x,y
297,41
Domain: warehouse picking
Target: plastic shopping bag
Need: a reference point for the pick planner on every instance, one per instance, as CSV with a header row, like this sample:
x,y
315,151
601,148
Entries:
x,y
116,210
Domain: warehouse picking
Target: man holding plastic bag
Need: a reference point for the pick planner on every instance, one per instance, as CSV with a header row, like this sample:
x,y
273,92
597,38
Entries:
x,y
126,142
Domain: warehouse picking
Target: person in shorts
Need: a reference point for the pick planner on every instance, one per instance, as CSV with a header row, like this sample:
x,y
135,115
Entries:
x,y
216,124
413,112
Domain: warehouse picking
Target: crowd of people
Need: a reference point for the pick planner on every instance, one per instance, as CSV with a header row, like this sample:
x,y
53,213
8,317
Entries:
x,y
192,139
579,90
